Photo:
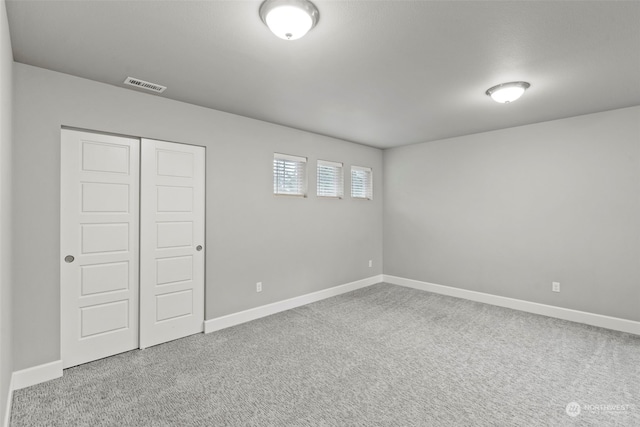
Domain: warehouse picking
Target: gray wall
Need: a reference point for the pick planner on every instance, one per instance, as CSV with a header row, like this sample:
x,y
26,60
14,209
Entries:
x,y
250,232
6,100
510,211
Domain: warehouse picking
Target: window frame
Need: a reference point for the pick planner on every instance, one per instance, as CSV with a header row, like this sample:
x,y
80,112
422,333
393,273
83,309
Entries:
x,y
304,181
339,185
369,172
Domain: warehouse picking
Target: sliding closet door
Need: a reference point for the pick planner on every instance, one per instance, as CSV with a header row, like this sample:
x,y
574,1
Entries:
x,y
99,246
171,241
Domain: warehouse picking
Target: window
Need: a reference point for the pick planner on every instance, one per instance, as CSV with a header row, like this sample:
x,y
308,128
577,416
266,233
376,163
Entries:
x,y
330,179
361,183
289,175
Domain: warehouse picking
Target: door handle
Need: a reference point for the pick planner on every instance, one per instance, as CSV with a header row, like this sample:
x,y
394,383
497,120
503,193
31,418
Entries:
x,y
69,259
199,248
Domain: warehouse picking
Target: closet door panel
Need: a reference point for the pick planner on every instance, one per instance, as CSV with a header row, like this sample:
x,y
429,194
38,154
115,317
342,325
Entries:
x,y
99,213
172,241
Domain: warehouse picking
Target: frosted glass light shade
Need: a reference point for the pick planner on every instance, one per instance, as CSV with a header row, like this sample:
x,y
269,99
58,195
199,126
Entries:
x,y
507,92
289,19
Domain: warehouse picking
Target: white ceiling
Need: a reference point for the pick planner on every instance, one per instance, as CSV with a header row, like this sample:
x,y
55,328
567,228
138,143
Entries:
x,y
380,73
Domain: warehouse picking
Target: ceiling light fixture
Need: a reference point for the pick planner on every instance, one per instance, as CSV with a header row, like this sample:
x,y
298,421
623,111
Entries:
x,y
289,19
507,92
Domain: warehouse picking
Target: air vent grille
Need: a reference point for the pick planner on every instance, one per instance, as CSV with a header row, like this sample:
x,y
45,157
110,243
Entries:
x,y
145,85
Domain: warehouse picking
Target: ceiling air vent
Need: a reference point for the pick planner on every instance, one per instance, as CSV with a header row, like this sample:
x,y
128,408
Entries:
x,y
144,85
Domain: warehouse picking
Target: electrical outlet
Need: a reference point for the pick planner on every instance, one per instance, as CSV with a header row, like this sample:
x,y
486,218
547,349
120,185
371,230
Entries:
x,y
259,287
370,263
555,286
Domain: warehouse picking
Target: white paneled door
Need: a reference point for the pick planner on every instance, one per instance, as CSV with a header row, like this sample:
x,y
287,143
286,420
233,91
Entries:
x,y
99,245
132,244
171,241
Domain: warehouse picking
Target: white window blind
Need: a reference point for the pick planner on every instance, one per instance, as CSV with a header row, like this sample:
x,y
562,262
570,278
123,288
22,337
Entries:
x,y
289,175
330,181
361,183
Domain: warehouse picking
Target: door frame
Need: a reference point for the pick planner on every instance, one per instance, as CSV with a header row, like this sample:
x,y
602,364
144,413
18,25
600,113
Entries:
x,y
205,242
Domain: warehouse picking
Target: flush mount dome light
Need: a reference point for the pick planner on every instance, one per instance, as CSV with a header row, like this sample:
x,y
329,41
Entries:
x,y
507,92
289,19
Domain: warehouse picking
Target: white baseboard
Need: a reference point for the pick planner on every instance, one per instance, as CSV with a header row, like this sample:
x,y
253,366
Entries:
x,y
229,320
593,319
7,407
36,375
28,377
